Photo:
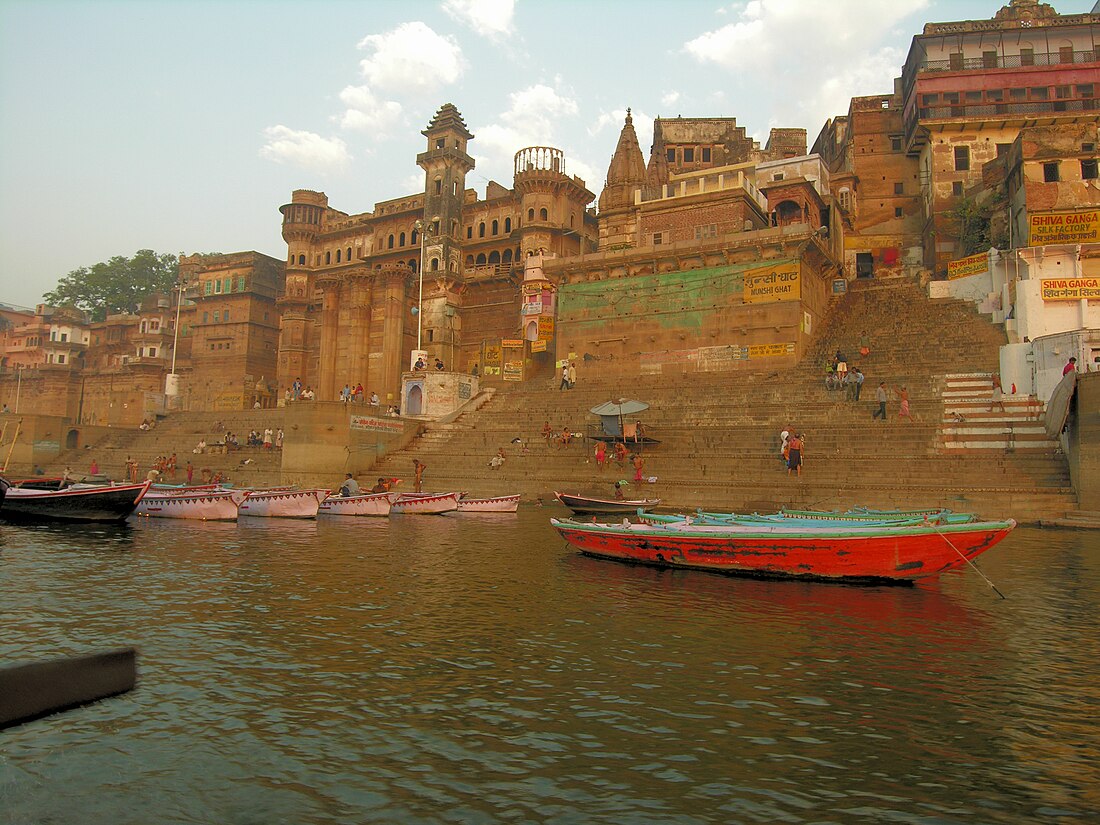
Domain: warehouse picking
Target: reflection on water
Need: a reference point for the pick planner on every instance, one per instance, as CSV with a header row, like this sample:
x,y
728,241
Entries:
x,y
454,669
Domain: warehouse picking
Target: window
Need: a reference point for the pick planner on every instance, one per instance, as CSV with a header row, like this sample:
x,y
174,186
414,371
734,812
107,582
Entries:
x,y
496,227
217,287
1085,90
225,316
61,359
1050,172
689,156
845,196
1065,54
897,211
389,243
530,214
400,242
973,97
705,151
481,229
899,188
962,159
340,252
206,317
507,225
152,352
439,186
777,176
1088,169
1062,92
895,144
543,214
709,230
328,257
670,155
658,238
64,337
454,188
931,100
240,278
955,60
440,143
1002,149
435,264
989,60
208,288
469,232
301,260
217,316
1018,94
957,188
1040,93
1027,57
994,95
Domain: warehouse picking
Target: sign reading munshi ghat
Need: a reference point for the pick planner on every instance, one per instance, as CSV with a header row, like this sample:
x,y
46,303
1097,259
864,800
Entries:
x,y
779,283
1070,289
970,265
1064,227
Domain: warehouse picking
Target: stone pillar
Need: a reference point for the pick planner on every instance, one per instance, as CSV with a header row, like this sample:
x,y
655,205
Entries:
x,y
330,331
393,333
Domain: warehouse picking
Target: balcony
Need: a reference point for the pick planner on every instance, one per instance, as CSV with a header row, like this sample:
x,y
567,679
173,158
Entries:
x,y
980,113
1008,61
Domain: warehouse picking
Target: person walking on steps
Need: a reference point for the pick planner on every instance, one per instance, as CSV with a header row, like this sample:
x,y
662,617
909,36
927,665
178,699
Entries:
x,y
564,377
880,397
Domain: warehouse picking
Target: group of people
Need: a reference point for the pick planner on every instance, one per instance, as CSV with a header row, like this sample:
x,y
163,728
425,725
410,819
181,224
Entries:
x,y
568,375
266,439
790,449
421,364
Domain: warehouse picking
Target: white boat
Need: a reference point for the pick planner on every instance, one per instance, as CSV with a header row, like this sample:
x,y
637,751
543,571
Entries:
x,y
366,504
495,504
282,502
425,503
203,505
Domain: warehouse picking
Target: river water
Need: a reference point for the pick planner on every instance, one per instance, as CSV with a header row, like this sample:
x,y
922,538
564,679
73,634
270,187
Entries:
x,y
476,670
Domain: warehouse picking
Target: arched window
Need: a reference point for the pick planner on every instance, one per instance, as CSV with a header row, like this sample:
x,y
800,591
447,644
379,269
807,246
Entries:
x,y
301,260
348,258
571,221
439,186
412,264
415,236
469,260
481,229
469,232
530,214
338,255
543,214
845,197
494,257
389,242
401,239
481,259
507,257
435,264
496,227
507,225
328,257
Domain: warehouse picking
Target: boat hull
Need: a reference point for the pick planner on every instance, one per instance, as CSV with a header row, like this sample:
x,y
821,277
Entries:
x,y
496,504
211,505
900,555
368,504
598,506
282,503
113,503
425,504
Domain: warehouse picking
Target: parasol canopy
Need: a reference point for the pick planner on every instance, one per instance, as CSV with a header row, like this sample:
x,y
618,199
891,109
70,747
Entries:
x,y
624,406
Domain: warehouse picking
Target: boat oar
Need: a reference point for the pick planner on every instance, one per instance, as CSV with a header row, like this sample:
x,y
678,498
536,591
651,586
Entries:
x,y
38,689
968,561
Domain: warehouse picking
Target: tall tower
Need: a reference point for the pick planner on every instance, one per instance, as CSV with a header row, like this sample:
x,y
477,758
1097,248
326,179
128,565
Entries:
x,y
445,165
303,222
625,175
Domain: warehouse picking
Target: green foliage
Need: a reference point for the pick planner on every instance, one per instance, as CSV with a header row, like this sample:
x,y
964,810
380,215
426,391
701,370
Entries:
x,y
117,285
975,229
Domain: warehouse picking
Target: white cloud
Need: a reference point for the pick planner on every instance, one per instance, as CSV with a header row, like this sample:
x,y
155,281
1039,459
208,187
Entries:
x,y
668,98
828,52
489,18
411,59
366,112
530,120
305,149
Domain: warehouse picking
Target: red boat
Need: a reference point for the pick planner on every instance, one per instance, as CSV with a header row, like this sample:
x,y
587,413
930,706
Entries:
x,y
872,555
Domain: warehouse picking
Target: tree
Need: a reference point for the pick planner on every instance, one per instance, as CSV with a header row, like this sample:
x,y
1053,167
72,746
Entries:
x,y
974,224
117,285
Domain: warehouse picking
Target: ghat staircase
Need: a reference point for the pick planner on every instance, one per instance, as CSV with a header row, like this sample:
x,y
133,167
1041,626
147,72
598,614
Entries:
x,y
719,431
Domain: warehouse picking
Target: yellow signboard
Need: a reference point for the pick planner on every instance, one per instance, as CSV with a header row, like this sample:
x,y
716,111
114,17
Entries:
x,y
546,327
774,283
513,370
1070,289
970,265
512,343
492,354
1064,227
538,346
770,350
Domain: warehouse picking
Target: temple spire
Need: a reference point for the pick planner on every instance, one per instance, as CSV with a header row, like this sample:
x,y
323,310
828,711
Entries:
x,y
627,170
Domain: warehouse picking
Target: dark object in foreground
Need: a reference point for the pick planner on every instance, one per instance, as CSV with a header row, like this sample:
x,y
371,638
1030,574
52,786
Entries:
x,y
38,689
587,505
76,503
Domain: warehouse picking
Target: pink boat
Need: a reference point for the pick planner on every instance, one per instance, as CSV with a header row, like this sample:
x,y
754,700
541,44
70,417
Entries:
x,y
367,504
425,503
282,503
202,504
495,504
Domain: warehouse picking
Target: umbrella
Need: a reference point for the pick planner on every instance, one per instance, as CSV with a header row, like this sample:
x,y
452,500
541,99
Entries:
x,y
616,410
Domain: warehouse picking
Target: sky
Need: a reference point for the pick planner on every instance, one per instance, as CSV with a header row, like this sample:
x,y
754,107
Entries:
x,y
181,126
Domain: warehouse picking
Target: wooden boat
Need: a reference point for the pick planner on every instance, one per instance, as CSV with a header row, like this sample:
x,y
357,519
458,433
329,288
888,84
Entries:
x,y
366,504
282,502
425,503
495,504
789,521
586,504
81,503
863,554
202,505
37,689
